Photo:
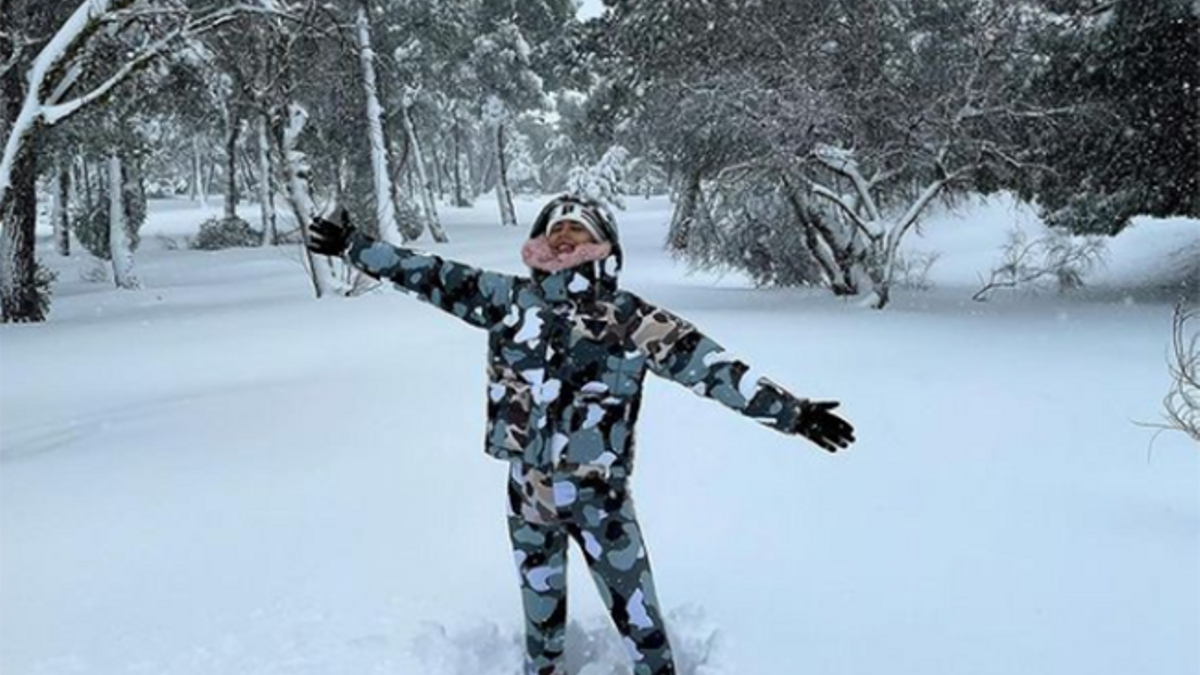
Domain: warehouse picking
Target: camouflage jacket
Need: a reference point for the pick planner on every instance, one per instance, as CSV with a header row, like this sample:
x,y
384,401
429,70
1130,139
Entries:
x,y
568,353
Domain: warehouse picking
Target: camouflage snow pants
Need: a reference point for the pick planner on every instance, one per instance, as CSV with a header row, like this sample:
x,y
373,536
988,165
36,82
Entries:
x,y
544,512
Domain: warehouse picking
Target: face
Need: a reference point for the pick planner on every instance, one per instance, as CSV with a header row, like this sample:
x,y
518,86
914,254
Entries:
x,y
566,235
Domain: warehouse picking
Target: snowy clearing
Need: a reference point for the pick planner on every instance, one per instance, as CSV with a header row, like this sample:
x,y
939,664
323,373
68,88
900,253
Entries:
x,y
218,474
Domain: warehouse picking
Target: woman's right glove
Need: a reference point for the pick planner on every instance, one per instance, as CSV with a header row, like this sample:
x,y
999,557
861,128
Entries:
x,y
330,237
816,423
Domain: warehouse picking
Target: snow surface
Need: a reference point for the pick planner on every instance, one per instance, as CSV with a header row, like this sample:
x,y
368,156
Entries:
x,y
219,474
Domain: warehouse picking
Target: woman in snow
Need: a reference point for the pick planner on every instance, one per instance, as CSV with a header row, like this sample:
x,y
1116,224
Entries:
x,y
567,354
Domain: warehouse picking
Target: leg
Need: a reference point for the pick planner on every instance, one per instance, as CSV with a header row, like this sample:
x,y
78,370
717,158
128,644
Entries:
x,y
616,555
540,551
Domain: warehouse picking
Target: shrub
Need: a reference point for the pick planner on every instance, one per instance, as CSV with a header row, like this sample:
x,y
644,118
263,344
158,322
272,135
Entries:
x,y
220,233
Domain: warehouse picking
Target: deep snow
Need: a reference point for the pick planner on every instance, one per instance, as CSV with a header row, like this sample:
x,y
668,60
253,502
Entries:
x,y
218,474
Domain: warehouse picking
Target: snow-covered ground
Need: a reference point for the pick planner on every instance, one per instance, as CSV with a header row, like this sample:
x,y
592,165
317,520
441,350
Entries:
x,y
219,475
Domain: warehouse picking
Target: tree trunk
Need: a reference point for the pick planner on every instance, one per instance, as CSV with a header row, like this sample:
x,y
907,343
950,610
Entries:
x,y
85,171
248,173
508,215
424,186
198,191
266,192
439,185
20,298
60,190
231,189
210,176
685,214
296,172
837,256
460,199
385,207
119,247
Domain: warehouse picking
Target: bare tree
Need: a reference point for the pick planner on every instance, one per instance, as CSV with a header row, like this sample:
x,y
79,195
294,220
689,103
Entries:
x,y
1055,256
1181,405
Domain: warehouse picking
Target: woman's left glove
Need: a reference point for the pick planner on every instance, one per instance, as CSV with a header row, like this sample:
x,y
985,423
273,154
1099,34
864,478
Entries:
x,y
329,237
816,423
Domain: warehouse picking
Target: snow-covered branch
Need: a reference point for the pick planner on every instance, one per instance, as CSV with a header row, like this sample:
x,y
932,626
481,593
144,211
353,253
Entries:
x,y
970,112
910,217
55,59
55,113
843,162
18,49
840,202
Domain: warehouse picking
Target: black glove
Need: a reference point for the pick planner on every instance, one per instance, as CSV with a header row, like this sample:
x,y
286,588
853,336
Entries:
x,y
819,425
330,237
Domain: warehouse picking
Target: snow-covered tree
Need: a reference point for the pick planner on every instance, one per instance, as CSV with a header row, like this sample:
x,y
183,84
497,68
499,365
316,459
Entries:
x,y
1132,65
120,249
60,189
40,90
603,181
858,115
298,171
508,85
385,207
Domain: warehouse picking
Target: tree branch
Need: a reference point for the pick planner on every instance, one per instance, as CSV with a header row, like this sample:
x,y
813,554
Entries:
x,y
55,113
843,162
1182,402
836,199
914,211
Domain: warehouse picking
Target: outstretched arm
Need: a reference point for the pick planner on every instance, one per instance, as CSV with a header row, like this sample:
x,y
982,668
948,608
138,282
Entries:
x,y
479,297
676,350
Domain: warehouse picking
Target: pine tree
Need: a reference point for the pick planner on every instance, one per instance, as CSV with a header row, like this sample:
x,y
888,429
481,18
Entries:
x,y
1133,66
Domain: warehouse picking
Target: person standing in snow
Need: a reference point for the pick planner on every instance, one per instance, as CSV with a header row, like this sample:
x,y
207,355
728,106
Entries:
x,y
567,354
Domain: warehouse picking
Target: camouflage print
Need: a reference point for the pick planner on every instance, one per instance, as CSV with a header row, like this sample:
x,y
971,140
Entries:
x,y
568,353
567,356
580,503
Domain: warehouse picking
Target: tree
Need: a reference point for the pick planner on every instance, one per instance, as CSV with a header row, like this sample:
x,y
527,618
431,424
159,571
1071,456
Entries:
x,y
857,115
1132,63
683,87
507,84
116,139
39,91
120,249
385,207
434,92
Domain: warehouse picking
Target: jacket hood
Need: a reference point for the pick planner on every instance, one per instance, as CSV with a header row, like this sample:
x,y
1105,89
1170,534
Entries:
x,y
601,216
601,274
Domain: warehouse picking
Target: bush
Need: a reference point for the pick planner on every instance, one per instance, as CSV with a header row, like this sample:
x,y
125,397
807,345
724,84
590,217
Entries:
x,y
43,281
220,233
911,270
1055,256
90,225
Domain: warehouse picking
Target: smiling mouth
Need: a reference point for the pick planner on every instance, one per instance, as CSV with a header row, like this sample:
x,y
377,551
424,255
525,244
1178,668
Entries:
x,y
564,248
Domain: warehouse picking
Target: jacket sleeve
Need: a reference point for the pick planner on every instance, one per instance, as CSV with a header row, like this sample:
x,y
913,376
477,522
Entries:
x,y
478,297
677,351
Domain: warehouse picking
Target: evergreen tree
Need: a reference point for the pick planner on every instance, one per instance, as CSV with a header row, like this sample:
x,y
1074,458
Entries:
x,y
1133,68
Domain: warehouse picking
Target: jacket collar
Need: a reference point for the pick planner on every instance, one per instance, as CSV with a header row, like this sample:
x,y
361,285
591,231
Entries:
x,y
589,281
